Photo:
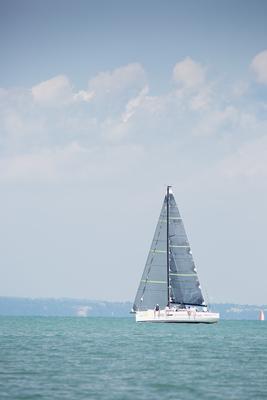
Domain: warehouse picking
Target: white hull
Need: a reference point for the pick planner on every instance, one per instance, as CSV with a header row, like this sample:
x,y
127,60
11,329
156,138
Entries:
x,y
185,316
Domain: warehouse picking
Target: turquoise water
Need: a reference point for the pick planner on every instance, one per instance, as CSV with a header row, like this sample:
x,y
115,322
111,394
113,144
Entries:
x,y
109,358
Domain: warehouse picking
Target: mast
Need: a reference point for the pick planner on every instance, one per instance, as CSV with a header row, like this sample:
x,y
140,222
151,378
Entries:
x,y
168,250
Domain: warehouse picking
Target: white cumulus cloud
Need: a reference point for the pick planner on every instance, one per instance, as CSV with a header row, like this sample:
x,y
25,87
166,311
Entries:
x,y
131,75
189,73
54,91
259,66
84,95
37,137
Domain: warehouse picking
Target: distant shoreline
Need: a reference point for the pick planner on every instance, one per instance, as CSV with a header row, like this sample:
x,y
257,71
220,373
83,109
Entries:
x,y
23,306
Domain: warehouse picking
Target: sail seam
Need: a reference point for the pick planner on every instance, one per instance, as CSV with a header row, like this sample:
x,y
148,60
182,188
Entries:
x,y
171,218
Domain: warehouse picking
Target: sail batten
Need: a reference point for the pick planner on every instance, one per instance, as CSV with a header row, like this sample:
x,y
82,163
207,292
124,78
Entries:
x,y
177,271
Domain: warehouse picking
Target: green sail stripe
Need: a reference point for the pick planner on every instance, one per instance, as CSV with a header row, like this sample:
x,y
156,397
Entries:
x,y
173,274
182,246
171,246
147,281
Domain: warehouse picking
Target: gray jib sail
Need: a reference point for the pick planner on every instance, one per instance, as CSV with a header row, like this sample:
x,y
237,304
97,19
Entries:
x,y
153,286
184,283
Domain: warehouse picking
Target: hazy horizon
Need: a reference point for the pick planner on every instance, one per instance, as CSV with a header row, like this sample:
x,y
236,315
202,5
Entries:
x,y
88,299
102,104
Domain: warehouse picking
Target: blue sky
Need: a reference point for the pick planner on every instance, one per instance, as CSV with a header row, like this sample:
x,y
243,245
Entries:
x,y
104,103
80,39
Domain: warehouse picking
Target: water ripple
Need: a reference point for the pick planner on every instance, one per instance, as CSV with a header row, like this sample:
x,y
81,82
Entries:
x,y
113,359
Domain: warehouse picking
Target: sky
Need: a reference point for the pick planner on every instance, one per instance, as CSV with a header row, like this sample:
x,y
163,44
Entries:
x,y
104,103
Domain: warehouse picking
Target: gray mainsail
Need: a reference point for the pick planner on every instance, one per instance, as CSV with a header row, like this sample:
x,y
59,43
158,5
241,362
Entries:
x,y
177,270
184,283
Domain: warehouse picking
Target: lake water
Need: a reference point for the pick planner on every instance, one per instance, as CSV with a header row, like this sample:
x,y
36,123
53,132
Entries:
x,y
110,358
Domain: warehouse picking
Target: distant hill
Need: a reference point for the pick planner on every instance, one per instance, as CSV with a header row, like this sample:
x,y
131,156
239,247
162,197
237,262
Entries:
x,y
62,307
16,306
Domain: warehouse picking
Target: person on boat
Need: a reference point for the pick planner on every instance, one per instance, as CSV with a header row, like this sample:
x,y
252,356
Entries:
x,y
156,310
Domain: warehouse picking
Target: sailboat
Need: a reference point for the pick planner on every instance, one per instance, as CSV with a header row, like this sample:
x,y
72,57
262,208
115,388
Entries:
x,y
261,315
169,290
